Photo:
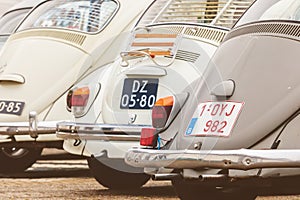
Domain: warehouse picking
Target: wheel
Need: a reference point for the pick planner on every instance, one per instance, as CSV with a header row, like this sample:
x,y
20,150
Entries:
x,y
113,178
15,159
190,190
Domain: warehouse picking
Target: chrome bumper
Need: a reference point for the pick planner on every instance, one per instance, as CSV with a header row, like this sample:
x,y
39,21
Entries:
x,y
106,132
32,127
241,159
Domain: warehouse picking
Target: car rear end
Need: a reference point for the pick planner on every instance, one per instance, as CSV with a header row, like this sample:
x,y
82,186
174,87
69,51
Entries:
x,y
240,124
56,45
165,54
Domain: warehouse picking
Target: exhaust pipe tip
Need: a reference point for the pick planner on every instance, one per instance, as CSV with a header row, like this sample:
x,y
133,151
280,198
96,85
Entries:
x,y
165,177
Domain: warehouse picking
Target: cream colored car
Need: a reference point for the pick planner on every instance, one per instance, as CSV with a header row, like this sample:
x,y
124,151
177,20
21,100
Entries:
x,y
56,45
167,50
237,134
7,5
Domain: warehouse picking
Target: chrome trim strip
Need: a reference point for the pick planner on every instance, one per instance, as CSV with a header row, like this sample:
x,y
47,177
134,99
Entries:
x,y
86,136
24,128
107,132
241,159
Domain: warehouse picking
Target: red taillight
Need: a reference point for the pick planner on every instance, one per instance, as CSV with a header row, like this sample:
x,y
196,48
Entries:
x,y
148,137
78,97
161,111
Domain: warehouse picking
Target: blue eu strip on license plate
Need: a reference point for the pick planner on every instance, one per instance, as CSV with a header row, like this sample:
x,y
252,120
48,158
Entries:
x,y
191,126
139,93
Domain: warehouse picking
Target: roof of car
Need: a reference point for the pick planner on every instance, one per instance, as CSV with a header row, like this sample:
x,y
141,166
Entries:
x,y
6,5
24,4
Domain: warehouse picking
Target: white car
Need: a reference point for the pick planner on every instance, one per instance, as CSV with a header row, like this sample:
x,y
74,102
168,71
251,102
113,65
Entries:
x,y
168,49
56,45
7,4
237,133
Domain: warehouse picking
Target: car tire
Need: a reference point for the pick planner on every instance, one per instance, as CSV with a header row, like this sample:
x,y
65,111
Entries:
x,y
15,159
115,179
190,190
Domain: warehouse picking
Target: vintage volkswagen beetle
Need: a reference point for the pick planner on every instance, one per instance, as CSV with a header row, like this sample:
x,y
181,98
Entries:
x,y
57,44
158,60
237,133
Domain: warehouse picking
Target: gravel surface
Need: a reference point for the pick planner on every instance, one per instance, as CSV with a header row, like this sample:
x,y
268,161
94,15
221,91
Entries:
x,y
71,179
78,188
88,188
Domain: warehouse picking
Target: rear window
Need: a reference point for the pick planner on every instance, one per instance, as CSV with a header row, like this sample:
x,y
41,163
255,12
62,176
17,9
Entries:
x,y
81,15
263,10
213,12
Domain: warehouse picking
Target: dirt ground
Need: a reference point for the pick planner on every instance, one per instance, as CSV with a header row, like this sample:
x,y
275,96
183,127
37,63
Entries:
x,y
88,188
70,179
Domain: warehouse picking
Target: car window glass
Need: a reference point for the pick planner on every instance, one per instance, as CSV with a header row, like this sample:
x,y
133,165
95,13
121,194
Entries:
x,y
81,15
213,12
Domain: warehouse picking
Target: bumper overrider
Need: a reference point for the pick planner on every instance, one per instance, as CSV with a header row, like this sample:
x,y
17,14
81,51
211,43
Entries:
x,y
32,127
104,132
241,159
